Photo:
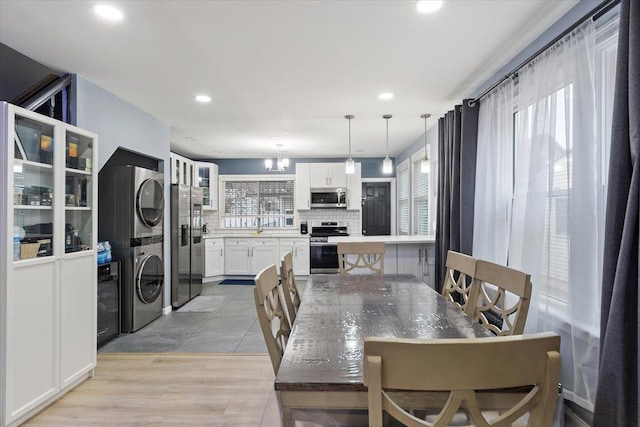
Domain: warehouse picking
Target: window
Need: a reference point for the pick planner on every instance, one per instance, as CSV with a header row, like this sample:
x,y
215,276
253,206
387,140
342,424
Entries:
x,y
257,203
420,195
403,198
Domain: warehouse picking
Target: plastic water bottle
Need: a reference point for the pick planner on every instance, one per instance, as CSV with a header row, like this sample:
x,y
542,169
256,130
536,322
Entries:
x,y
107,251
101,253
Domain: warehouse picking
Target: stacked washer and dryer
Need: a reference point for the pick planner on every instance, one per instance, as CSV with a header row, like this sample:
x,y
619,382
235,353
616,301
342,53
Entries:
x,y
132,219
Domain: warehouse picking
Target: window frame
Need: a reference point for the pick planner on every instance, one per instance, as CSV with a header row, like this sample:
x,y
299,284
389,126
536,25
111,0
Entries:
x,y
282,218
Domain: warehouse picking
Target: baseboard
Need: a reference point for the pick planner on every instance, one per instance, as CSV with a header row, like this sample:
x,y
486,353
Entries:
x,y
572,419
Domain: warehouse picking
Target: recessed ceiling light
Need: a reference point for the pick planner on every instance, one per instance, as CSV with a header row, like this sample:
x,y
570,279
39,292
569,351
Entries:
x,y
108,12
385,96
428,6
203,99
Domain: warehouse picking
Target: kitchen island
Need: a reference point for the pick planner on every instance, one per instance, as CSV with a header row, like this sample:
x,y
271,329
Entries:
x,y
413,254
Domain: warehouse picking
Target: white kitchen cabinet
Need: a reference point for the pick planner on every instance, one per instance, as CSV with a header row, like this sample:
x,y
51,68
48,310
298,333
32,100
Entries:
x,y
417,259
302,195
207,179
237,257
213,257
354,189
299,249
48,263
249,256
182,170
264,252
328,175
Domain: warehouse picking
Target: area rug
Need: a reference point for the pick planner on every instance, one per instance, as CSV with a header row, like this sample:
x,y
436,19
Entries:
x,y
204,304
237,282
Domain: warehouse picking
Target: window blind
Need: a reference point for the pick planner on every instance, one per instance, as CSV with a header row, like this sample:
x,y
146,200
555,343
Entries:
x,y
403,198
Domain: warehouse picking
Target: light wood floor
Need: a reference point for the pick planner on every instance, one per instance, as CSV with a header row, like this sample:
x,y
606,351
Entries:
x,y
169,389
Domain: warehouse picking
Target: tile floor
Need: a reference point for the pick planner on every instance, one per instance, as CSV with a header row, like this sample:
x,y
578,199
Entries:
x,y
220,320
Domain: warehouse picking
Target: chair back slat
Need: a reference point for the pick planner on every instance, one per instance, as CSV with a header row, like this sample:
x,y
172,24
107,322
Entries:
x,y
458,280
502,296
369,255
531,361
270,309
289,287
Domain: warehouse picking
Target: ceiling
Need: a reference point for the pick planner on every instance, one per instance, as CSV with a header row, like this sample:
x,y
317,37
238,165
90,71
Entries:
x,y
282,72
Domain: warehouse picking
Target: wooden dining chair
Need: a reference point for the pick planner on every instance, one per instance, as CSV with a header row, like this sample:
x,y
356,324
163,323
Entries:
x,y
273,321
458,279
368,255
501,298
531,363
289,287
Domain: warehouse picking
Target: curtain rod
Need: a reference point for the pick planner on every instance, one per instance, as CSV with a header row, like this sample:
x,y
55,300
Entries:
x,y
595,14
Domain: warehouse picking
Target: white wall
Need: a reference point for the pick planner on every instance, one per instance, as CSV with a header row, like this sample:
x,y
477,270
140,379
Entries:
x,y
121,124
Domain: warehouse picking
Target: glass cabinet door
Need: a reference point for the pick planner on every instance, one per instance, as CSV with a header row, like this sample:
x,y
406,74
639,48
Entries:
x,y
204,182
78,192
33,189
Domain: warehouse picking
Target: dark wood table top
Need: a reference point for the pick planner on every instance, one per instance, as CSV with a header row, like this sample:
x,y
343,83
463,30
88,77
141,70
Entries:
x,y
325,349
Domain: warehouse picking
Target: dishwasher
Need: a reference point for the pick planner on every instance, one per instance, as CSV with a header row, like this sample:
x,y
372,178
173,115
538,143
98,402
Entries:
x,y
108,302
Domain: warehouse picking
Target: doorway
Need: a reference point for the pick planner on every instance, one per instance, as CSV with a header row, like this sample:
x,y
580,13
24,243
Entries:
x,y
376,208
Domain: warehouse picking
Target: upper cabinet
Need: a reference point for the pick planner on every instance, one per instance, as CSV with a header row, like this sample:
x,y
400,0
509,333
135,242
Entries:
x,y
207,179
328,175
302,197
182,170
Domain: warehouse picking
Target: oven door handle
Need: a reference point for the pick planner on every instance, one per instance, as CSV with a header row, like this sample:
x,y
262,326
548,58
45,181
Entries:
x,y
322,244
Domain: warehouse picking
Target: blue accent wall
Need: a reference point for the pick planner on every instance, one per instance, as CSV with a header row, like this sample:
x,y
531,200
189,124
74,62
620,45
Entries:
x,y
371,167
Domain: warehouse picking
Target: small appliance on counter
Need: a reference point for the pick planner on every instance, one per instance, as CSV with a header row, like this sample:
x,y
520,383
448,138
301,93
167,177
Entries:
x,y
304,228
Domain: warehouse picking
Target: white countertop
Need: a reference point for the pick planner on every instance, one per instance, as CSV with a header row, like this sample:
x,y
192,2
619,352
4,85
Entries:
x,y
264,235
389,240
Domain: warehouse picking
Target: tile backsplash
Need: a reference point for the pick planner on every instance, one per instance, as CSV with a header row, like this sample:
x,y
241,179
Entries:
x,y
313,217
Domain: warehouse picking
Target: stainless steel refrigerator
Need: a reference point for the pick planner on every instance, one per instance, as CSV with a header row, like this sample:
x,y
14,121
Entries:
x,y
187,246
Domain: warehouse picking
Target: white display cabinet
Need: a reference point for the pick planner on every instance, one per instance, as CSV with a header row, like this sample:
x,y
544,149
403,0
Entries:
x,y
47,262
207,179
182,169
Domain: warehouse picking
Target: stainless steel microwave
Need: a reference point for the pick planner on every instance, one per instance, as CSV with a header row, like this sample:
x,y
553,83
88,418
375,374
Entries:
x,y
328,198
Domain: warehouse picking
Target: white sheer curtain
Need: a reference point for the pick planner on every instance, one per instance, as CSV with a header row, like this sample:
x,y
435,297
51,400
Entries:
x,y
494,175
552,230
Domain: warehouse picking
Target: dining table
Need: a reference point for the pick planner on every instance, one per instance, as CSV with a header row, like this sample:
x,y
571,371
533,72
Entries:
x,y
322,365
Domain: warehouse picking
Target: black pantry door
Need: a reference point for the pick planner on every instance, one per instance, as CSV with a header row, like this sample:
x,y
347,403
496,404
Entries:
x,y
376,209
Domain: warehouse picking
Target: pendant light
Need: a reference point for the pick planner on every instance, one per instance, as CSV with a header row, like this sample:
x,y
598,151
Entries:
x,y
350,164
424,165
281,163
387,165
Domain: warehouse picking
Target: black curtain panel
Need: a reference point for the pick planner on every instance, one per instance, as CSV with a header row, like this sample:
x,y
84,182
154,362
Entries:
x,y
457,150
617,397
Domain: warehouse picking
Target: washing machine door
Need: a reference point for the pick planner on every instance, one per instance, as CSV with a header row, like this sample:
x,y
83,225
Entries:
x,y
149,278
150,202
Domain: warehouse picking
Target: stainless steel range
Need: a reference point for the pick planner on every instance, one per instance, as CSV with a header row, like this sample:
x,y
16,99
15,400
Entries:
x,y
324,255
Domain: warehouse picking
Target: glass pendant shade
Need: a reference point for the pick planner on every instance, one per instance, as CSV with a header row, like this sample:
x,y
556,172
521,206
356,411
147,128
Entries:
x,y
268,164
387,165
424,166
350,166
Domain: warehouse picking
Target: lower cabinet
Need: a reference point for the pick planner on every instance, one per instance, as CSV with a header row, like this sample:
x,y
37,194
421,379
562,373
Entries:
x,y
249,256
213,257
299,249
48,339
417,259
